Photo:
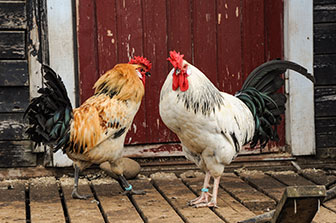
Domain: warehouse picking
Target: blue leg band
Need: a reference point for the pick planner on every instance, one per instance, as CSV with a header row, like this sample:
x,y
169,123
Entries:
x,y
129,188
205,190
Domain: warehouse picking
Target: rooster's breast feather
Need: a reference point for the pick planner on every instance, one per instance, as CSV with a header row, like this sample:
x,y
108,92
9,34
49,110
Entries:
x,y
98,119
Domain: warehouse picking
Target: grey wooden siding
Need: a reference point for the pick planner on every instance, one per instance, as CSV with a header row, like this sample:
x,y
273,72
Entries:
x,y
15,149
325,72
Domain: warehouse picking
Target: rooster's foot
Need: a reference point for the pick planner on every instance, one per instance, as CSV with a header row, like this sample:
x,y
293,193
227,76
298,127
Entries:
x,y
76,195
200,200
210,204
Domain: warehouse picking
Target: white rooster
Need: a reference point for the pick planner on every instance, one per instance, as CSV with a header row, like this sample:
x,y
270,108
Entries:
x,y
212,125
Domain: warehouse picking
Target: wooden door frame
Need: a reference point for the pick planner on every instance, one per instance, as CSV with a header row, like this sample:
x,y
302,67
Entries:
x,y
37,50
300,134
298,44
62,55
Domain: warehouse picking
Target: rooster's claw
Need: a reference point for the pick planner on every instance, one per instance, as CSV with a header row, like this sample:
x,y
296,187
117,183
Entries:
x,y
76,195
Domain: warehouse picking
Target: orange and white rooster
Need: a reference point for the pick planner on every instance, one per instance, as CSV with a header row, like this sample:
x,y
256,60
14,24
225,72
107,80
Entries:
x,y
213,125
94,132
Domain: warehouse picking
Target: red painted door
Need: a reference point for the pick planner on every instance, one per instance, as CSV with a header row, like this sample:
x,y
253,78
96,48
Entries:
x,y
226,39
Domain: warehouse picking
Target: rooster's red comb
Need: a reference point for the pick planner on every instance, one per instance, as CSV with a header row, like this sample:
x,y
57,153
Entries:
x,y
142,61
176,59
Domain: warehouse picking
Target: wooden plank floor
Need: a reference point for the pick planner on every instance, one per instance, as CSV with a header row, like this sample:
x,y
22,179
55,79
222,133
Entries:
x,y
12,201
80,210
45,202
242,195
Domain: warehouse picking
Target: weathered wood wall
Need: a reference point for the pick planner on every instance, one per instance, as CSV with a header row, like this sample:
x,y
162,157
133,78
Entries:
x,y
325,72
15,149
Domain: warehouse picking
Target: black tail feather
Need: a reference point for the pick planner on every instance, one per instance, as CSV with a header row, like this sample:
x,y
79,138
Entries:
x,y
260,94
49,114
259,74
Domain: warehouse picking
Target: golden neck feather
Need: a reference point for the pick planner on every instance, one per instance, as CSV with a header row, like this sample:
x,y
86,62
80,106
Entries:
x,y
122,82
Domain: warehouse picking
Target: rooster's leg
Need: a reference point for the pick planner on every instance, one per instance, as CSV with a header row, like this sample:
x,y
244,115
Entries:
x,y
204,195
213,201
128,187
75,194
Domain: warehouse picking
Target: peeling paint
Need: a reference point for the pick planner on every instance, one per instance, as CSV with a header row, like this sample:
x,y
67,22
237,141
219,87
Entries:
x,y
158,150
35,77
134,127
226,6
207,17
326,98
158,123
34,36
109,33
13,18
227,69
164,148
237,11
219,18
325,7
128,50
11,124
130,53
226,16
19,52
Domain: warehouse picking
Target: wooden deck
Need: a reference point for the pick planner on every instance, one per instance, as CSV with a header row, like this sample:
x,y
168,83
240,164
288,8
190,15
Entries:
x,y
242,195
